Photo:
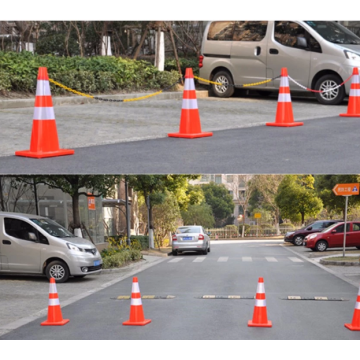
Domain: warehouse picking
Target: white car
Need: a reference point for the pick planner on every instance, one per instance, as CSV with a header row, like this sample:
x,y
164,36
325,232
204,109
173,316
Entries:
x,y
190,238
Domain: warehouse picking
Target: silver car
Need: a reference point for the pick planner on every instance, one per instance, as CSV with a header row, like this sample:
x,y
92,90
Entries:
x,y
190,238
33,244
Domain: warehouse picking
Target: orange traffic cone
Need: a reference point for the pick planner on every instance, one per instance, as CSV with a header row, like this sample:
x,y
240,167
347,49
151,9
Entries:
x,y
54,311
190,126
260,314
284,113
136,309
353,109
355,324
44,138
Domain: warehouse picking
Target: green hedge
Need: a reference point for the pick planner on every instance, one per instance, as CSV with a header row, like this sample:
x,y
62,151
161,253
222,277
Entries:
x,y
121,258
89,75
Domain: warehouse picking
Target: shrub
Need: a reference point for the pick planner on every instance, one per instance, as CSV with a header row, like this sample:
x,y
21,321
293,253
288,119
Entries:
x,y
5,82
120,258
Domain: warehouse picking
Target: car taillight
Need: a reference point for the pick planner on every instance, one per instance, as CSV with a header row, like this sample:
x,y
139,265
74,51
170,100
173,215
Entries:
x,y
174,238
201,58
201,237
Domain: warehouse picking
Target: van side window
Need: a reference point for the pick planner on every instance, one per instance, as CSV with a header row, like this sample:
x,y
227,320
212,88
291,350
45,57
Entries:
x,y
249,30
286,33
221,30
21,229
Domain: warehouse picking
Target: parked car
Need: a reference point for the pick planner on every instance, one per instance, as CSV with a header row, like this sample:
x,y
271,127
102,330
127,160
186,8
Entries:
x,y
33,244
333,236
319,55
296,237
190,238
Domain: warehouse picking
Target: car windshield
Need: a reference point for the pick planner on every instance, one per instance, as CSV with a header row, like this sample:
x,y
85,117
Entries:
x,y
53,228
188,229
330,227
334,32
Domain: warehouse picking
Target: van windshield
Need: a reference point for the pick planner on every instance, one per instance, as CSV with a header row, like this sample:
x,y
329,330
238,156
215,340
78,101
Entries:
x,y
53,228
334,32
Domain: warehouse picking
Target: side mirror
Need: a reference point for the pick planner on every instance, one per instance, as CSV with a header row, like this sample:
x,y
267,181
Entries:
x,y
301,42
333,231
309,228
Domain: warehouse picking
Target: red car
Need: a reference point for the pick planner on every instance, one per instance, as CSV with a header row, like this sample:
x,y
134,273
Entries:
x,y
333,237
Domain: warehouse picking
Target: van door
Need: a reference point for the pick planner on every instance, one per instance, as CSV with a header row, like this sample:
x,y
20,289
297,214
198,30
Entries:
x,y
287,51
22,252
248,52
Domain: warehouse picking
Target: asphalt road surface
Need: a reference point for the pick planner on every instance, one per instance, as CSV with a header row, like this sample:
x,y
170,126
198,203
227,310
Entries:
x,y
229,269
321,146
132,139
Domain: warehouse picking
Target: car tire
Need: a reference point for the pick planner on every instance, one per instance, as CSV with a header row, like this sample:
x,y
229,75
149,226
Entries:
x,y
209,249
58,270
175,252
225,90
358,247
332,97
205,252
321,245
298,240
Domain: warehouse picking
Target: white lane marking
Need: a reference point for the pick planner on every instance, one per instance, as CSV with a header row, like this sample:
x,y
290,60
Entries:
x,y
271,259
199,259
223,259
295,259
246,258
175,260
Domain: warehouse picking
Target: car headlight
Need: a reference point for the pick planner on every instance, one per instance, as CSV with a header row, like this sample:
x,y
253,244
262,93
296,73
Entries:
x,y
313,236
352,56
290,233
73,247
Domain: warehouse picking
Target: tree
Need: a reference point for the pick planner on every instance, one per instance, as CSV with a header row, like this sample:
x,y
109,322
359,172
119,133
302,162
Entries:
x,y
335,204
249,189
198,214
166,217
265,191
155,186
296,195
221,202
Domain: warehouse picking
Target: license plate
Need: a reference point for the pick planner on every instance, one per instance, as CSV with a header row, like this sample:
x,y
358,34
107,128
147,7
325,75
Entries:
x,y
187,238
96,262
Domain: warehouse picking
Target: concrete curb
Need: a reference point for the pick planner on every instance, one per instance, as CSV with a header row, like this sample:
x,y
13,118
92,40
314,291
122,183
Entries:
x,y
339,263
76,100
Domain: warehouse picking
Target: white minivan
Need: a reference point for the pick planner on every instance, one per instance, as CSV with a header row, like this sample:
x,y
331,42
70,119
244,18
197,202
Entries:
x,y
319,55
31,244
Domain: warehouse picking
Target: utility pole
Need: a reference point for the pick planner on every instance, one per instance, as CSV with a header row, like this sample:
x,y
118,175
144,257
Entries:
x,y
127,213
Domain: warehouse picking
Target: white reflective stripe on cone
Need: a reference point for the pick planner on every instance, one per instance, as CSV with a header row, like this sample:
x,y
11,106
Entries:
x,y
53,302
356,79
136,301
43,88
189,104
52,288
44,113
189,84
354,92
357,306
284,97
260,303
284,81
135,287
261,288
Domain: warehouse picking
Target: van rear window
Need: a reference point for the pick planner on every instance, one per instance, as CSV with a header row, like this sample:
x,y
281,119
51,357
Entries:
x,y
221,30
237,30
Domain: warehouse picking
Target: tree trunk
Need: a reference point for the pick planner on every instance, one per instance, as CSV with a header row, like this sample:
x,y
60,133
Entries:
x,y
175,52
303,218
76,212
141,42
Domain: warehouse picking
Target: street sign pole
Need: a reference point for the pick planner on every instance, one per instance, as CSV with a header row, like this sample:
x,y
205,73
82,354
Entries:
x,y
346,205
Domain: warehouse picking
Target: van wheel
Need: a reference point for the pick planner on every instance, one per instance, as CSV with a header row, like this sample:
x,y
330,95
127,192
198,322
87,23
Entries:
x,y
227,88
334,97
321,245
58,270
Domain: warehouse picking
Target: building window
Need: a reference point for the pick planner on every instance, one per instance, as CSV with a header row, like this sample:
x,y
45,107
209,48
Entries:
x,y
218,179
229,178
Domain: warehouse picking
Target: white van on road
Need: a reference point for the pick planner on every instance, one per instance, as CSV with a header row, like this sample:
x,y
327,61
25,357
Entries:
x,y
31,244
319,55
